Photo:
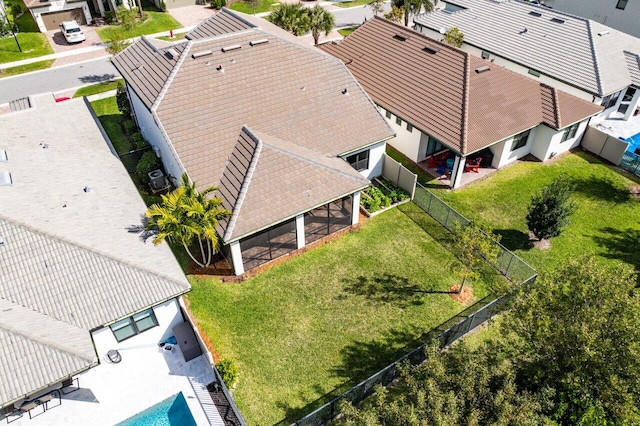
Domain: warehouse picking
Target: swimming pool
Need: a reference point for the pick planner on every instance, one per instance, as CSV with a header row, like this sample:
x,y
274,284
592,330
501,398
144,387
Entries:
x,y
172,411
634,142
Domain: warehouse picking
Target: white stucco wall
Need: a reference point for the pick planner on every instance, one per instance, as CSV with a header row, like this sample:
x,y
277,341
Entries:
x,y
604,12
548,141
168,315
155,137
503,154
408,143
514,67
57,6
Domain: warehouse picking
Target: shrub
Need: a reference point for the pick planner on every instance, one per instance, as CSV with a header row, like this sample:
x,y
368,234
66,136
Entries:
x,y
123,100
129,126
228,371
16,10
218,4
138,140
163,6
550,209
148,162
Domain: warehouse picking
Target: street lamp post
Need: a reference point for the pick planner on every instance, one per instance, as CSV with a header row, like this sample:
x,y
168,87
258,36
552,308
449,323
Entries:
x,y
15,37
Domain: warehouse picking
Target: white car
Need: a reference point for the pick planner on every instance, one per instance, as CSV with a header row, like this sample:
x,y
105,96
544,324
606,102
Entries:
x,y
72,32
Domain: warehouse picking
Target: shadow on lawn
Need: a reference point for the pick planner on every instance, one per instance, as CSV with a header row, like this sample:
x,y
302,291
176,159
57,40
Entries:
x,y
621,245
514,239
387,289
602,188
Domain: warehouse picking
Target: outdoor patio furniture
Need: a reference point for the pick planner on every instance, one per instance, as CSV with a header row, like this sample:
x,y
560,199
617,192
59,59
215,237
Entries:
x,y
27,406
68,385
45,399
473,165
114,356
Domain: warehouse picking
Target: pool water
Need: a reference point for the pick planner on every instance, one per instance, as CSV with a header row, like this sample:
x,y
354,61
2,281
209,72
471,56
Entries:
x,y
172,411
634,142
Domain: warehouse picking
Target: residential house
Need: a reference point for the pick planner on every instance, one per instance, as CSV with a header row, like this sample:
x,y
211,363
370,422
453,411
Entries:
x,y
576,55
76,278
439,98
623,15
285,131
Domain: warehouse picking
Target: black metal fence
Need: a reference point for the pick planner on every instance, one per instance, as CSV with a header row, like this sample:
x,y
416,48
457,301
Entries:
x,y
514,268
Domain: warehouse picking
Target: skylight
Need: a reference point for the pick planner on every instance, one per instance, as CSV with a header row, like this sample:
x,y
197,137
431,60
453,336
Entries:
x,y
5,179
534,13
401,37
557,20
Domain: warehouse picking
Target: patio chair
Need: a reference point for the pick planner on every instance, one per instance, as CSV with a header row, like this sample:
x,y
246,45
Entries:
x,y
114,356
473,166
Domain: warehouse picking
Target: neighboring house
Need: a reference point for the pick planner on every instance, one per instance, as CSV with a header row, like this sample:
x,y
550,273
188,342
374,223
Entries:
x,y
576,55
76,279
283,130
438,97
49,14
623,15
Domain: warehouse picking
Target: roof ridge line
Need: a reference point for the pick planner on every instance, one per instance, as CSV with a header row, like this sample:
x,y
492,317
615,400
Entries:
x,y
245,182
44,339
225,35
100,253
465,103
235,15
594,56
172,75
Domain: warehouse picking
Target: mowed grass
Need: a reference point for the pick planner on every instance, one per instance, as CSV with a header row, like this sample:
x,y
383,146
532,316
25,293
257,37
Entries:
x,y
98,88
261,6
157,22
21,69
606,223
32,42
312,327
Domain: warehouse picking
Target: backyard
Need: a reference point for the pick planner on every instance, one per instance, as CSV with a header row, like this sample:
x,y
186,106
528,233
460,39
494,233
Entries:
x,y
312,327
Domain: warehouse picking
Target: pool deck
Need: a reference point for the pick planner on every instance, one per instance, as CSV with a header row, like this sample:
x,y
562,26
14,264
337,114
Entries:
x,y
111,393
617,127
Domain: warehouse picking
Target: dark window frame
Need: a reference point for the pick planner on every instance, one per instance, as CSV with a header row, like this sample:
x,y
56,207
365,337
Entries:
x,y
398,121
570,132
610,100
621,4
388,114
133,323
359,159
485,55
409,128
520,140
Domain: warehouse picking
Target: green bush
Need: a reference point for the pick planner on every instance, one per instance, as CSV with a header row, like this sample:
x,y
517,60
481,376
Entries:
x,y
122,100
129,126
163,6
228,371
218,4
148,162
138,140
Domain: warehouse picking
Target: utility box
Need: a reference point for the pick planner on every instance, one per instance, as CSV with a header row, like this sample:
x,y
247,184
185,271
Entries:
x,y
187,341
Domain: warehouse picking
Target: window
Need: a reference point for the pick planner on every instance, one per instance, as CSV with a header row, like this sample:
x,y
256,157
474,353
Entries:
x,y
628,97
520,140
399,121
409,128
485,55
569,132
433,146
534,73
621,4
133,325
359,161
388,114
610,100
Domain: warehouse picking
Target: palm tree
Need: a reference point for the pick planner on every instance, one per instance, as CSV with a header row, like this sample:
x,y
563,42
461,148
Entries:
x,y
320,20
291,17
413,7
185,215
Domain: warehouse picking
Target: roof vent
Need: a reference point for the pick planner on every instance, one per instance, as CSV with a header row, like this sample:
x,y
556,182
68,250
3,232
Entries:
x,y
482,69
5,179
345,92
138,66
524,31
534,13
44,145
171,53
1,241
3,156
257,42
603,33
87,188
201,53
431,50
219,68
401,37
230,48
557,20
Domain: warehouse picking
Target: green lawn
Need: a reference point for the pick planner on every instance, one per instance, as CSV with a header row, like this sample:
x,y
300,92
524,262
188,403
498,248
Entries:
x,y
352,3
315,325
40,65
346,31
157,22
176,37
606,223
32,42
98,88
261,6
109,115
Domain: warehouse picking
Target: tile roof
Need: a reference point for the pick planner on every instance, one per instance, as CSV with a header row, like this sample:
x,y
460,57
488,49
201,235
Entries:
x,y
72,255
633,64
223,22
273,86
444,92
577,51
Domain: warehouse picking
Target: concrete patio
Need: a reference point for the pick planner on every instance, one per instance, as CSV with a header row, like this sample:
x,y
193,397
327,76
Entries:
x,y
111,393
615,126
467,177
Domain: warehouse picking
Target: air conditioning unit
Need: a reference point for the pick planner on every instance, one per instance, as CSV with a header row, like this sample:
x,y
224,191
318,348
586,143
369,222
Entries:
x,y
157,179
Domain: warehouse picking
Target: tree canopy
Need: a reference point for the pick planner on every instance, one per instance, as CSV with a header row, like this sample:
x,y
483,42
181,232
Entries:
x,y
550,209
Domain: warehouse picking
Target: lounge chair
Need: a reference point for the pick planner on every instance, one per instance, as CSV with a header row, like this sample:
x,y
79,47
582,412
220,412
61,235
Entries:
x,y
473,166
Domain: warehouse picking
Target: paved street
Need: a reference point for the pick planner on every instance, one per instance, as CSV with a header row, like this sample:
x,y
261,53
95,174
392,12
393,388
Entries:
x,y
355,15
56,79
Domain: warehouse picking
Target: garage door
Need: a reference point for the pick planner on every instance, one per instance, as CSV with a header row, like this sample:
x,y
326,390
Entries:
x,y
54,19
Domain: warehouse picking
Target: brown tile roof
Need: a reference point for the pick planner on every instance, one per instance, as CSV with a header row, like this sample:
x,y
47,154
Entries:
x,y
223,22
442,90
280,90
146,68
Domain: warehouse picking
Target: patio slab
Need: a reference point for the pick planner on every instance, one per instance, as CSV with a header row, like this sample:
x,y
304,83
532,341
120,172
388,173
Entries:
x,y
147,375
616,127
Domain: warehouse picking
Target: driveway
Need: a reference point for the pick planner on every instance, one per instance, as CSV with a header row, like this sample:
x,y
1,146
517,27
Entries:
x,y
60,45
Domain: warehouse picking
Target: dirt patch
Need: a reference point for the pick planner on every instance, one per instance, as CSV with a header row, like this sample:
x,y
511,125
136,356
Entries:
x,y
543,244
463,298
635,191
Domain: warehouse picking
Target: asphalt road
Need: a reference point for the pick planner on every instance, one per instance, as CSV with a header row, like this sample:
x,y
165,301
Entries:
x,y
353,16
56,79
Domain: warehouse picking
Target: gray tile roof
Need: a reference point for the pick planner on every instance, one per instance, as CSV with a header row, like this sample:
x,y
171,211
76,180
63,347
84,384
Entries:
x,y
574,50
275,87
633,63
72,253
438,89
223,22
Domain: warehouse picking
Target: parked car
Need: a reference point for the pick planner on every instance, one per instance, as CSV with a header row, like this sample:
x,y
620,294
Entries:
x,y
72,32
